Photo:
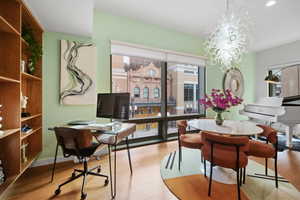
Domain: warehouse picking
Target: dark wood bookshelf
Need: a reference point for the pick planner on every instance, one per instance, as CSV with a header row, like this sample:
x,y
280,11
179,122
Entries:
x,y
13,15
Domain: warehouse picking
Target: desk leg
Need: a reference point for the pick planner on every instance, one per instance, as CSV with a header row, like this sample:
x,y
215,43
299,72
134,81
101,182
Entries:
x,y
113,187
54,163
129,157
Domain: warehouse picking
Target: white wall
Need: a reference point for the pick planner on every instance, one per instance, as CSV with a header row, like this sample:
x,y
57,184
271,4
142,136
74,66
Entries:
x,y
284,54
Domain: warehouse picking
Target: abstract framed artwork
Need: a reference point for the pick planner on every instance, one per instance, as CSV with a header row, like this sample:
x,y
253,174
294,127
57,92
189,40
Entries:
x,y
78,73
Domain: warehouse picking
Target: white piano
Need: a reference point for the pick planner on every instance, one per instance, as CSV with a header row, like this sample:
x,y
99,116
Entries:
x,y
280,114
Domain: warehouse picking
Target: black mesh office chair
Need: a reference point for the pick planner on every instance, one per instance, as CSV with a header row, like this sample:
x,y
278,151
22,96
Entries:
x,y
78,143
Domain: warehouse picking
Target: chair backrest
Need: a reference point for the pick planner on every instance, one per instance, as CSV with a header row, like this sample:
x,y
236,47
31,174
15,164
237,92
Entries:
x,y
181,125
73,140
224,147
269,133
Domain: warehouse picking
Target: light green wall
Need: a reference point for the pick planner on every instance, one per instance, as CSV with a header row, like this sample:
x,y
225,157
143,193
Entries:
x,y
106,28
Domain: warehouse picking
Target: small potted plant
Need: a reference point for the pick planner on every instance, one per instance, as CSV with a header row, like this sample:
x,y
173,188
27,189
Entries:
x,y
34,48
220,101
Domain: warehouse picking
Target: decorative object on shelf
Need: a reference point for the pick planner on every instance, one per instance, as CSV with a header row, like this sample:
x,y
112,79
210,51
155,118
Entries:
x,y
23,66
26,129
34,48
220,102
23,152
78,73
2,174
228,43
233,79
1,118
24,101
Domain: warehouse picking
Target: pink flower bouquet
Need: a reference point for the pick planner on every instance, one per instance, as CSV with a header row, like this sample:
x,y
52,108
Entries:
x,y
220,101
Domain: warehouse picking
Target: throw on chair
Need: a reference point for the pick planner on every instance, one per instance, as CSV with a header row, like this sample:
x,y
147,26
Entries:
x,y
78,143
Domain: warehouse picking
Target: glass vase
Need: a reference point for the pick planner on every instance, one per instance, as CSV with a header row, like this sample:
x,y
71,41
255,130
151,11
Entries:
x,y
219,119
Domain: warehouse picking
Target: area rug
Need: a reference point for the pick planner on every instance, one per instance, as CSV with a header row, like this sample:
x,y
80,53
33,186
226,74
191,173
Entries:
x,y
189,183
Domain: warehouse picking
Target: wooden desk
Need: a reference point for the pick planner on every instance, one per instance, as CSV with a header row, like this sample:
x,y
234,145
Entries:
x,y
111,138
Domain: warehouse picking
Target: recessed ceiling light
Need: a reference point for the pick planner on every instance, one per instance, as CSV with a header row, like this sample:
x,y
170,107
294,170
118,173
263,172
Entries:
x,y
271,3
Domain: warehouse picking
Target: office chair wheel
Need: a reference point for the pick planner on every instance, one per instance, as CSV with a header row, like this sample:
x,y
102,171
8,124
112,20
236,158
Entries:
x,y
106,182
83,196
99,169
57,192
73,175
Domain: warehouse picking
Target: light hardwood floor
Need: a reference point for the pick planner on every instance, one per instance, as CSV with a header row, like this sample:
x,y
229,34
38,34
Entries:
x,y
144,184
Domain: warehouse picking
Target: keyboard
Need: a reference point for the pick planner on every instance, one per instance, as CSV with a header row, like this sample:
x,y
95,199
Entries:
x,y
81,122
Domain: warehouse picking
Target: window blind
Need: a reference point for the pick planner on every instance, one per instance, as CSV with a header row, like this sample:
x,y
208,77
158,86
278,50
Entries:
x,y
127,49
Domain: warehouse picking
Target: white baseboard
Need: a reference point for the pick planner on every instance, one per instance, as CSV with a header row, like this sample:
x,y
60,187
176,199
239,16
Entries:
x,y
60,159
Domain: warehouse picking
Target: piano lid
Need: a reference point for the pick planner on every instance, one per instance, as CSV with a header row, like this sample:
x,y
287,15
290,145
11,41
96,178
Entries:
x,y
267,108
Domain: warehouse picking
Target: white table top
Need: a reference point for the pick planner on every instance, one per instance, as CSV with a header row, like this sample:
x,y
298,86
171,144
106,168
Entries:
x,y
229,127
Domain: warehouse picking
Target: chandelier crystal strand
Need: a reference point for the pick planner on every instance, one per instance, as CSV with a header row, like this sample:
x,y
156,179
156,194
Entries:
x,y
228,43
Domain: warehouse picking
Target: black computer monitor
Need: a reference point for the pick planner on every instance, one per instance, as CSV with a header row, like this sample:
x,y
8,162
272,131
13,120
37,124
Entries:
x,y
113,105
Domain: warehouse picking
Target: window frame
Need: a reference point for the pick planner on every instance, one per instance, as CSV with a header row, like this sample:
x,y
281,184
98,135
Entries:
x,y
163,119
156,93
147,92
187,96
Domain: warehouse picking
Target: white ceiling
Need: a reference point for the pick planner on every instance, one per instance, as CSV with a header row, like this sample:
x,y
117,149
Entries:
x,y
272,26
65,16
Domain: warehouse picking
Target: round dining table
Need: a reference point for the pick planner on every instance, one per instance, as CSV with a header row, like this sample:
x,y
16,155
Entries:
x,y
229,127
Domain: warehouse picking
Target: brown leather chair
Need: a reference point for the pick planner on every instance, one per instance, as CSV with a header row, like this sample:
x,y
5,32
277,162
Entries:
x,y
192,141
266,150
224,151
77,143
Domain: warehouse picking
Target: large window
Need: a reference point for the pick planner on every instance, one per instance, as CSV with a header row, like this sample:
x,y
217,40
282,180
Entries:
x,y
159,88
185,89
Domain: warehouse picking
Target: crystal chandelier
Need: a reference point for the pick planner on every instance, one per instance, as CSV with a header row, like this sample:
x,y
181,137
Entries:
x,y
228,43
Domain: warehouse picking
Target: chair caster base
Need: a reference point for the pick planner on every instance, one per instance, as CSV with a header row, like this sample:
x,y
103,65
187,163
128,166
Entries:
x,y
83,196
57,192
106,182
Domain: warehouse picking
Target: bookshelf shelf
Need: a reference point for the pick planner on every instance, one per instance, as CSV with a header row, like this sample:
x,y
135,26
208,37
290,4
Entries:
x,y
6,27
24,42
31,117
29,76
8,132
6,79
25,135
